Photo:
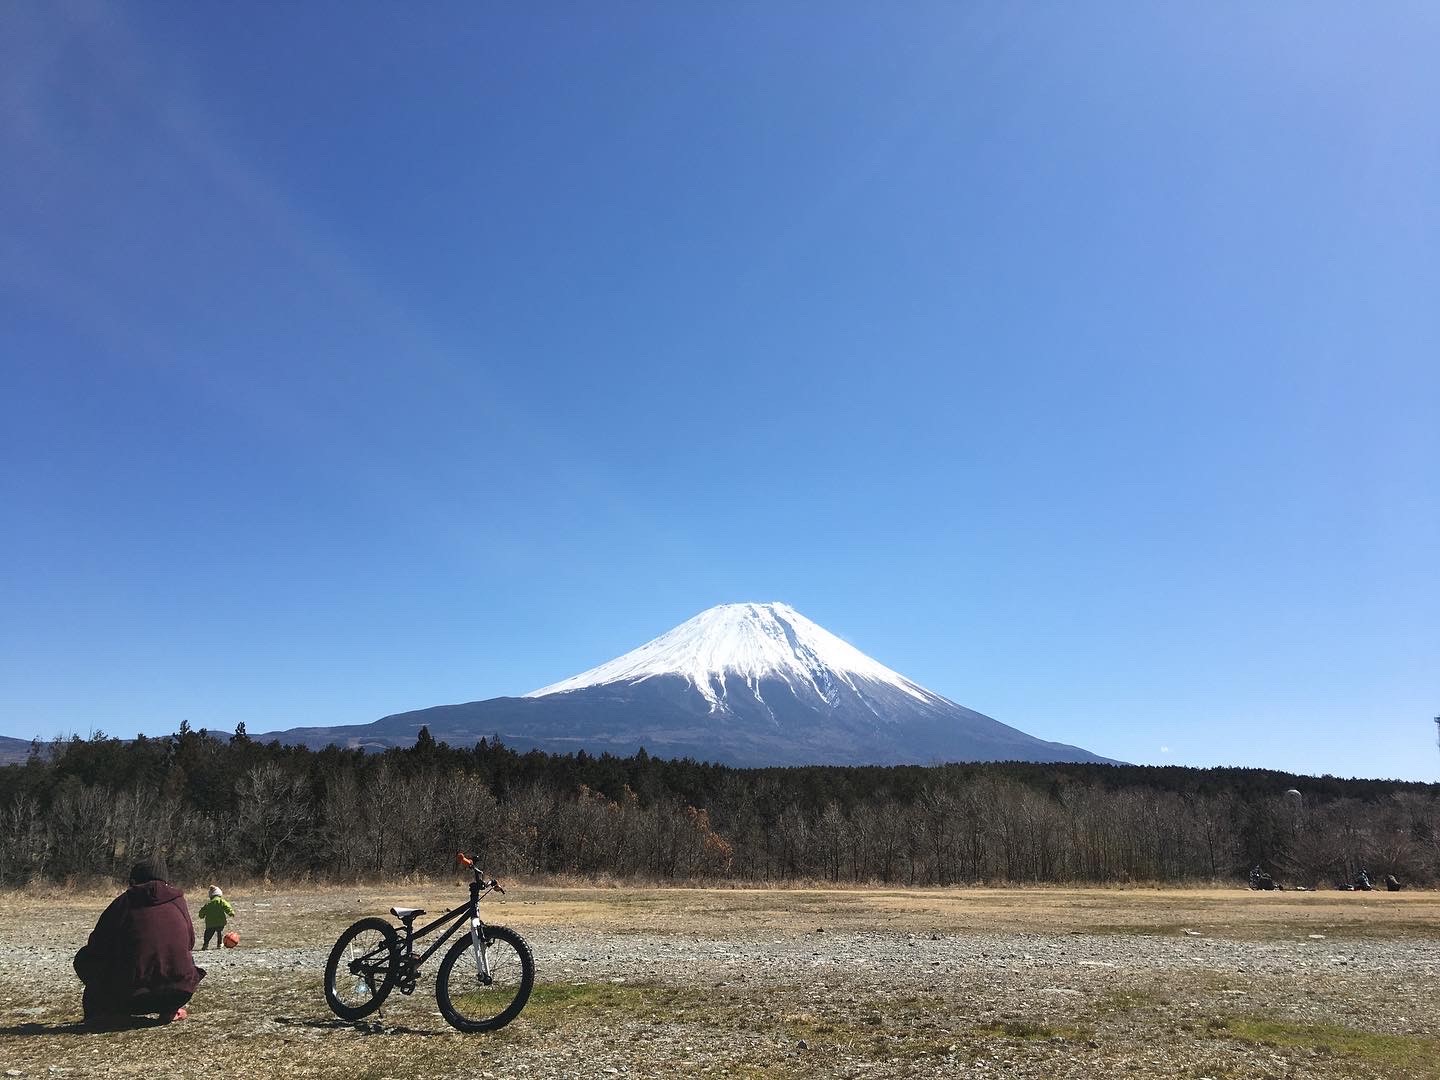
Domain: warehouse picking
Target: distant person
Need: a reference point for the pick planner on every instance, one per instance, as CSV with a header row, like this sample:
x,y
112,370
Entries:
x,y
138,960
216,910
1261,881
1392,883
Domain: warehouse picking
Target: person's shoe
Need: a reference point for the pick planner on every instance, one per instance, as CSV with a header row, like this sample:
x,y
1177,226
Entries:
x,y
180,1014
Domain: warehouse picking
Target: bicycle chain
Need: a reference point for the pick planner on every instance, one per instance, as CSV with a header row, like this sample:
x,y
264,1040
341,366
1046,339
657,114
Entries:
x,y
405,978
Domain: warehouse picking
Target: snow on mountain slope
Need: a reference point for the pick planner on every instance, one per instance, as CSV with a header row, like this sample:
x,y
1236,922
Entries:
x,y
755,642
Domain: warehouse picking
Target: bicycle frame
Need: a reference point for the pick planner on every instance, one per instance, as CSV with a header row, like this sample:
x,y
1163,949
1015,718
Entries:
x,y
454,915
357,985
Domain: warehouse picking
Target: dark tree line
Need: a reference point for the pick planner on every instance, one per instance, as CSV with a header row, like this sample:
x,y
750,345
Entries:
x,y
222,807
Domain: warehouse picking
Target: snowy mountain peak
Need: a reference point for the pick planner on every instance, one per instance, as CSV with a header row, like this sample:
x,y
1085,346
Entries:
x,y
751,642
743,684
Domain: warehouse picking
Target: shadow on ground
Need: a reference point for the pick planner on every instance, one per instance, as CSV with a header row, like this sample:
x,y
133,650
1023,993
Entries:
x,y
364,1027
79,1027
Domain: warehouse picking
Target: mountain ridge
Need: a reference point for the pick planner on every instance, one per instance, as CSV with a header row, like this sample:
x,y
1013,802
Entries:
x,y
740,684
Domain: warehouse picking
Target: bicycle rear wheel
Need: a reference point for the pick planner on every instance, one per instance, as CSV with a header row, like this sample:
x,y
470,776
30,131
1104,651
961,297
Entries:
x,y
362,968
474,1000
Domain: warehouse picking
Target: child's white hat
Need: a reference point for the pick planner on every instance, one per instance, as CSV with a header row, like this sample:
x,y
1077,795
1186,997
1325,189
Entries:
x,y
215,891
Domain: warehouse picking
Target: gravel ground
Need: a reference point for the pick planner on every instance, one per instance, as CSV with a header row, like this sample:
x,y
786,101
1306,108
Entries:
x,y
645,991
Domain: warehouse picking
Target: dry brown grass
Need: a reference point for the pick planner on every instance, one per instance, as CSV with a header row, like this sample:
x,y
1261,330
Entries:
x,y
1226,912
1231,913
292,916
269,1019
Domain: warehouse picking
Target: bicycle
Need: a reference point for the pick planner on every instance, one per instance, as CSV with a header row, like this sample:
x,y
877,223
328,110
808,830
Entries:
x,y
484,980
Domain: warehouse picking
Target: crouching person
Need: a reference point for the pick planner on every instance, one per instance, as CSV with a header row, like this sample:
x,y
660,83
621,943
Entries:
x,y
138,959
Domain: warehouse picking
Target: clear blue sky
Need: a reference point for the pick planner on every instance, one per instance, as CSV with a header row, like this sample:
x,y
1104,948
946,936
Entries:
x,y
1081,362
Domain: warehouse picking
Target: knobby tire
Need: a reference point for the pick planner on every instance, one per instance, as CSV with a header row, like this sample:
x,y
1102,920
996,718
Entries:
x,y
466,1017
337,967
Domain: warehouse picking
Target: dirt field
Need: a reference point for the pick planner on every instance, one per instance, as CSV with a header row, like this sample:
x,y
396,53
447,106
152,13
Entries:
x,y
866,983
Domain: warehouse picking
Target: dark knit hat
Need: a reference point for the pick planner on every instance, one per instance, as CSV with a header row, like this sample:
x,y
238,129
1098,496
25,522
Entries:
x,y
148,870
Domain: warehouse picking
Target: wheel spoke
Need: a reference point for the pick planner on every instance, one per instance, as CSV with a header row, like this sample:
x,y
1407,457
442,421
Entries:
x,y
367,961
361,969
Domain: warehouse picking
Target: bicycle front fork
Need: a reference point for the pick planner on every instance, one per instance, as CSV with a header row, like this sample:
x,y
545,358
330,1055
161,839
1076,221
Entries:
x,y
477,945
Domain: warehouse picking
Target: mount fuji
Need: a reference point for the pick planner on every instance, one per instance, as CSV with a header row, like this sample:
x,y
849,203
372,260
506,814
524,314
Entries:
x,y
741,684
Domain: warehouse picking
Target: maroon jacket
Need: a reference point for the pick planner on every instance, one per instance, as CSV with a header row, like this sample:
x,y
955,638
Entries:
x,y
141,945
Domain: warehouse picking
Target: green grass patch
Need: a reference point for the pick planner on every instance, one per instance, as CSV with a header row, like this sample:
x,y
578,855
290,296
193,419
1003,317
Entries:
x,y
909,1028
1419,1054
913,1029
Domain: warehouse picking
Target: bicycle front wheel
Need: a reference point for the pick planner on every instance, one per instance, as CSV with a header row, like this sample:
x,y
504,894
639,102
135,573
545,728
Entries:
x,y
362,968
476,998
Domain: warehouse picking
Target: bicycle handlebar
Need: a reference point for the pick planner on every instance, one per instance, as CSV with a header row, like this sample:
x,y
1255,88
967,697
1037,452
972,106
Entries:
x,y
466,860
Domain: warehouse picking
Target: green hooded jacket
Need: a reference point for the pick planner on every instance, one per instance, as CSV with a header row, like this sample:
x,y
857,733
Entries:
x,y
215,912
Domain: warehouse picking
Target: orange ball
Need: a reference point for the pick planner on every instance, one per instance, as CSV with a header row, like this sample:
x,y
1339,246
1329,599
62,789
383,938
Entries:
x,y
231,939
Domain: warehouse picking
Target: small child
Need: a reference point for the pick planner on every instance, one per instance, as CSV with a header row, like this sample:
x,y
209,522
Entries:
x,y
216,910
